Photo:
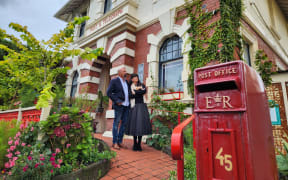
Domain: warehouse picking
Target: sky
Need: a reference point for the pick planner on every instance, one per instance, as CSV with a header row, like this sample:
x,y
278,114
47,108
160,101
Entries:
x,y
38,15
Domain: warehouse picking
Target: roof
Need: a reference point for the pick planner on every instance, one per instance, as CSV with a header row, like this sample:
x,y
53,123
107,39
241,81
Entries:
x,y
283,4
67,9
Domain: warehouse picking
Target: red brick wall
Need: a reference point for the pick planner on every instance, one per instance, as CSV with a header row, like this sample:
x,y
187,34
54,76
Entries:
x,y
123,59
88,88
121,44
86,72
142,47
112,37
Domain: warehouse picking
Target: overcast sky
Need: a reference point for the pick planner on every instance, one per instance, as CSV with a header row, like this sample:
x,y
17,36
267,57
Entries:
x,y
38,15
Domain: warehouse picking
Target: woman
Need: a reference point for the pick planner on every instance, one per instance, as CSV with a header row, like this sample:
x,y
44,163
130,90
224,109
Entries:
x,y
138,122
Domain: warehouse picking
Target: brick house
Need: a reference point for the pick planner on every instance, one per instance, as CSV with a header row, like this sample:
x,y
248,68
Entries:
x,y
145,37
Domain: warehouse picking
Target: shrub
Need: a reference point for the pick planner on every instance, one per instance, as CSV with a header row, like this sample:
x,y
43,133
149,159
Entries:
x,y
8,129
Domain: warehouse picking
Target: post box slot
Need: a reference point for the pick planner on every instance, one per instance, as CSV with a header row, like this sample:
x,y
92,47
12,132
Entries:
x,y
219,85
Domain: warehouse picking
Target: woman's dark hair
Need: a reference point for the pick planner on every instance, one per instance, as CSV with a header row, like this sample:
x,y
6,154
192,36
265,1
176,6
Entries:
x,y
135,75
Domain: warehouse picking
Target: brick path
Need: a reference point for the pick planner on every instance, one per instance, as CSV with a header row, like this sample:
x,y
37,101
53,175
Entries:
x,y
149,164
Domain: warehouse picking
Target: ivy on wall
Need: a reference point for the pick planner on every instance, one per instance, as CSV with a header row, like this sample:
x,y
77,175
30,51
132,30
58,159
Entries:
x,y
212,39
265,67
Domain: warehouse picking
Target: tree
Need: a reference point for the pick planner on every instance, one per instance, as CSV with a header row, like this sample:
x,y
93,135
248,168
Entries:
x,y
37,64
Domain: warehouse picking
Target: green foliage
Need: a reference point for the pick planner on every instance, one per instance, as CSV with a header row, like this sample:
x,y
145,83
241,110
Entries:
x,y
71,131
9,44
282,160
8,129
37,64
212,40
265,67
163,121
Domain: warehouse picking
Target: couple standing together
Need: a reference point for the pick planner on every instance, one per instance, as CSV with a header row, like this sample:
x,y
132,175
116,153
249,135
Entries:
x,y
129,107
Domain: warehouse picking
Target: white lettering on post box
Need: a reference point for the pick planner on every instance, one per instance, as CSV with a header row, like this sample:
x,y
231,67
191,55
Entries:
x,y
218,101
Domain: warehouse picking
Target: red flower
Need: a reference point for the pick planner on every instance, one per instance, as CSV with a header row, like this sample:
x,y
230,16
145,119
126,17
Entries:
x,y
54,154
59,132
42,159
36,165
51,171
52,159
76,125
29,158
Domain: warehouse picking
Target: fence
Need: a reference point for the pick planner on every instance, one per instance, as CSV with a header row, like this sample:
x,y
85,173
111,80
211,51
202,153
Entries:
x,y
24,115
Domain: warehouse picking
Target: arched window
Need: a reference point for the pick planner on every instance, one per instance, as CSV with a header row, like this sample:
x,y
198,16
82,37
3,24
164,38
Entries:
x,y
107,6
74,84
171,64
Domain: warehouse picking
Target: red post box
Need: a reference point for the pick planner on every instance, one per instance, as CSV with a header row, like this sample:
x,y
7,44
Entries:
x,y
234,138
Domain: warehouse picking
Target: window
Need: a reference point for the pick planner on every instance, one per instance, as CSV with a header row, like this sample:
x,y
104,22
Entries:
x,y
74,85
82,26
107,6
171,64
246,53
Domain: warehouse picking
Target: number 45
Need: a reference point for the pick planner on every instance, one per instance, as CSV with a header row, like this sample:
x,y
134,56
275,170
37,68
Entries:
x,y
225,159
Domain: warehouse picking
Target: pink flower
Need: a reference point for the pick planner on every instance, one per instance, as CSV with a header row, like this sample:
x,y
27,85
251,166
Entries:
x,y
218,50
42,159
60,161
16,143
8,150
32,128
12,148
29,145
31,152
52,159
9,155
29,158
51,171
25,169
42,164
57,150
10,173
54,154
68,145
59,132
12,164
36,165
58,166
41,155
22,126
17,153
10,142
23,144
15,158
54,112
18,134
7,165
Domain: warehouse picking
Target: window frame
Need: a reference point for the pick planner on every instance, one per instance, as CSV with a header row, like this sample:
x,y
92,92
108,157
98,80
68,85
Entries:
x,y
74,84
107,4
162,62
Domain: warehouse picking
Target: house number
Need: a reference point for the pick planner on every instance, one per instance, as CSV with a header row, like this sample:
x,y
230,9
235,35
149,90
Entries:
x,y
225,160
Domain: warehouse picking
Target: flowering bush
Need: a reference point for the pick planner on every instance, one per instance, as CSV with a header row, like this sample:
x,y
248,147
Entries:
x,y
36,164
22,142
71,132
7,129
66,144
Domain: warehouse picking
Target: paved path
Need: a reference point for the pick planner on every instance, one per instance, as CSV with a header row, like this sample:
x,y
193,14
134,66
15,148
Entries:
x,y
149,164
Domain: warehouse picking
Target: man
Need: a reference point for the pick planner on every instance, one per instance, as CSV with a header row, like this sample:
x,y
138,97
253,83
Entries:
x,y
118,92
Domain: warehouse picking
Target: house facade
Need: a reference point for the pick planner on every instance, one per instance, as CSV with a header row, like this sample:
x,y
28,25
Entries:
x,y
147,38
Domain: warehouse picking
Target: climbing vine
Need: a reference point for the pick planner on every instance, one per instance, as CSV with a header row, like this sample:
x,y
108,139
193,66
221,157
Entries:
x,y
212,39
265,67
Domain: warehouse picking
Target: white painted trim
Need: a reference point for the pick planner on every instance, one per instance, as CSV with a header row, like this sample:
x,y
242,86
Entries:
x,y
114,70
92,114
121,51
89,79
88,67
121,37
110,114
88,96
109,134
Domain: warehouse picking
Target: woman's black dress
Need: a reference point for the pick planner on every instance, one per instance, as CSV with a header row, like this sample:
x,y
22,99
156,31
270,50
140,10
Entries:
x,y
139,121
